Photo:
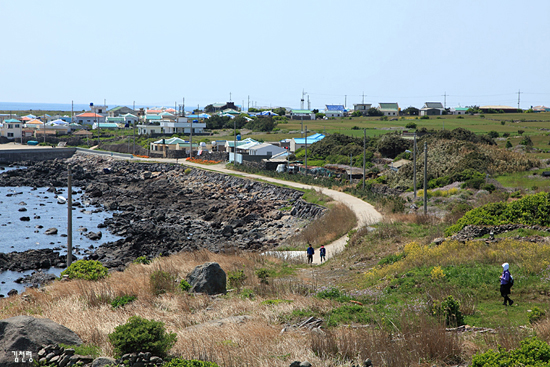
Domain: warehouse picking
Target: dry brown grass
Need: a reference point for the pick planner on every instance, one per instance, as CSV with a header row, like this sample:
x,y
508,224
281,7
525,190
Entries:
x,y
336,222
416,340
84,307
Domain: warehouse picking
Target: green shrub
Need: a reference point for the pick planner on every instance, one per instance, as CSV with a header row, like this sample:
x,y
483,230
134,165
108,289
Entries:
x,y
449,308
262,274
529,210
392,258
520,132
184,285
142,260
536,315
236,278
460,117
474,183
503,122
84,349
334,294
123,300
178,362
247,293
508,144
187,171
493,134
142,335
488,187
425,117
411,125
439,182
161,282
86,269
532,352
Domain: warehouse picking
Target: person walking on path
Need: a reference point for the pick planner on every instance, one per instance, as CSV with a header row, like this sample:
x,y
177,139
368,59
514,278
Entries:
x,y
310,252
323,253
506,282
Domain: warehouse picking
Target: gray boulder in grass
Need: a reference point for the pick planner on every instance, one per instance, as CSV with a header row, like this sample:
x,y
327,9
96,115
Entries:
x,y
29,334
208,278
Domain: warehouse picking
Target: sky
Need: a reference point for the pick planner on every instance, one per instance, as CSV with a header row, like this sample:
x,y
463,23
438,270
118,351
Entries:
x,y
270,52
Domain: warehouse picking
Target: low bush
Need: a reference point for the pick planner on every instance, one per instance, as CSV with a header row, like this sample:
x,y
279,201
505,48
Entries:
x,y
529,210
410,125
334,294
86,269
142,260
142,335
122,301
262,274
532,352
536,315
184,285
236,278
449,309
84,349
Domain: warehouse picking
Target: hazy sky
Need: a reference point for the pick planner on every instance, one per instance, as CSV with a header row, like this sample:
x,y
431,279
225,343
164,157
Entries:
x,y
156,52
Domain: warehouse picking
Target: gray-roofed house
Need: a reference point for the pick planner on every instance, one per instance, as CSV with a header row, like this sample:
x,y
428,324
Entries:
x,y
362,107
120,111
432,109
389,109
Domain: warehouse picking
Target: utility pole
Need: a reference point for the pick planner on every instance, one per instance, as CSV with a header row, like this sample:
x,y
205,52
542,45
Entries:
x,y
425,178
345,100
235,142
445,100
363,100
69,217
135,123
306,150
44,123
302,126
350,167
519,92
364,155
248,104
414,166
229,96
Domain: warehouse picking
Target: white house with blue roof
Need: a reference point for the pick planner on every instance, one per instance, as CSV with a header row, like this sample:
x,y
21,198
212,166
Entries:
x,y
297,143
335,110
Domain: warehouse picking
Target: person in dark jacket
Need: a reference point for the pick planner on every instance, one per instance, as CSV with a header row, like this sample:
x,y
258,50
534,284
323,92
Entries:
x,y
323,253
505,284
310,251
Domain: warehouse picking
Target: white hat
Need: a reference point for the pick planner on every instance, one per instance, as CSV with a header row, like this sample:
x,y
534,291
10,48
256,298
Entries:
x,y
505,266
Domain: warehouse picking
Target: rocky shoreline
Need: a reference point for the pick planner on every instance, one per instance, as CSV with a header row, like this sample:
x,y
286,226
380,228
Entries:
x,y
162,209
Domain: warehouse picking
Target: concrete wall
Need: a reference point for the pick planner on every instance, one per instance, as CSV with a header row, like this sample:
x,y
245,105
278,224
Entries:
x,y
38,154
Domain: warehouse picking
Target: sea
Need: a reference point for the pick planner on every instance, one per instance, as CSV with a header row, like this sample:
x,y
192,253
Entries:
x,y
27,106
43,209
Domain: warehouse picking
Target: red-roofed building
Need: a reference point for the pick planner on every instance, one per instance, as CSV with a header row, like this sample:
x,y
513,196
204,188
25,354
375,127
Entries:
x,y
88,118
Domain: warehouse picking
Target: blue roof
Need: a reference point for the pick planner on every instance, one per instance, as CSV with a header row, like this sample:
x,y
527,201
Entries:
x,y
310,139
335,107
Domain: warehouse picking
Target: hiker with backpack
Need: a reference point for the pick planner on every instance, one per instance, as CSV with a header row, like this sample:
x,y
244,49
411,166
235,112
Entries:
x,y
506,283
323,253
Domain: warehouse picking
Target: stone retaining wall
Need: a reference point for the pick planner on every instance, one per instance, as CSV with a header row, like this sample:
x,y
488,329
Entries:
x,y
35,155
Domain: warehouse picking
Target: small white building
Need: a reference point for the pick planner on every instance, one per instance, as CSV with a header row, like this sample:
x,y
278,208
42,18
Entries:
x,y
89,118
335,110
362,107
182,125
149,129
432,109
302,115
11,129
266,149
389,109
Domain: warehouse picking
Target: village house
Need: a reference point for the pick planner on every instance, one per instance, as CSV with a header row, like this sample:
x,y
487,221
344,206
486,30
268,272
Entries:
x,y
302,115
389,109
432,109
335,110
89,118
297,143
11,129
362,107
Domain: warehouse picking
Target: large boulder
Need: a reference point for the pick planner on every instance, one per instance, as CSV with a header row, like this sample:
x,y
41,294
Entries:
x,y
28,334
208,278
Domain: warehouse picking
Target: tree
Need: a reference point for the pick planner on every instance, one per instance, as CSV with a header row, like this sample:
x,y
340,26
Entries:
x,y
356,114
390,145
374,112
473,109
411,111
281,111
